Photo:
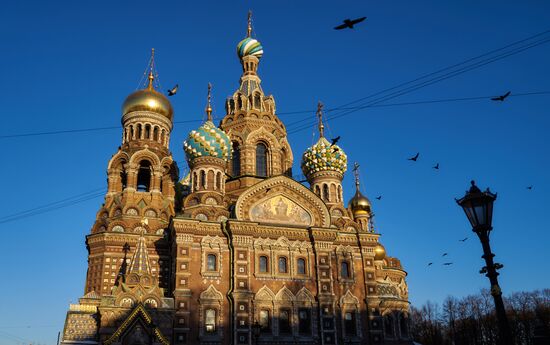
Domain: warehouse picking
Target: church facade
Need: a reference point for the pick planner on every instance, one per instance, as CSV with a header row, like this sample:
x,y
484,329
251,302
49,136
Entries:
x,y
237,251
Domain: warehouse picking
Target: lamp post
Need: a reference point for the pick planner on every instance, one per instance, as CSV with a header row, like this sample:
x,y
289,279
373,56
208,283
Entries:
x,y
256,329
478,207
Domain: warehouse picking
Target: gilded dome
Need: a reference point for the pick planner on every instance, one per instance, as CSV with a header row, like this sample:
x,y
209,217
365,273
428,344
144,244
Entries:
x,y
148,99
379,252
324,156
360,205
207,141
250,46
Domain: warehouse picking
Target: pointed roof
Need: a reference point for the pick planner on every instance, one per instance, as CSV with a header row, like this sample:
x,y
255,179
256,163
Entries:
x,y
140,260
138,313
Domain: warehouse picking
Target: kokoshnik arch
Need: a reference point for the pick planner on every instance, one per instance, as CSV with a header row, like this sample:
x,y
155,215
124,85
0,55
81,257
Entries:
x,y
237,244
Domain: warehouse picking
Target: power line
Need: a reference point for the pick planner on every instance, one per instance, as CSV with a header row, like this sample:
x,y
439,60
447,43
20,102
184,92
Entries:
x,y
70,201
426,83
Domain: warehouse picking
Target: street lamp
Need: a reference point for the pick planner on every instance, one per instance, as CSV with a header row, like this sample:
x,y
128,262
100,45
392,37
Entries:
x,y
256,329
478,207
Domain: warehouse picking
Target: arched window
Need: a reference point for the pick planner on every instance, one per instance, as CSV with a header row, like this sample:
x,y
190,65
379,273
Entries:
x,y
325,193
144,176
282,265
404,326
264,320
339,193
304,321
349,323
333,192
261,159
210,320
301,266
239,102
219,181
156,134
344,269
263,264
147,131
123,178
318,190
283,162
139,131
203,179
388,325
257,101
284,321
162,136
211,262
131,134
236,159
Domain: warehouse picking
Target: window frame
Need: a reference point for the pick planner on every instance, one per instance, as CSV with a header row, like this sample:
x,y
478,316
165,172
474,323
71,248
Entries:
x,y
298,260
208,257
285,264
260,257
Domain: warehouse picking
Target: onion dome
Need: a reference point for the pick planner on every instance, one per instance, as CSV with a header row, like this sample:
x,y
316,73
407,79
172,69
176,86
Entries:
x,y
360,205
379,252
148,99
250,46
324,156
208,140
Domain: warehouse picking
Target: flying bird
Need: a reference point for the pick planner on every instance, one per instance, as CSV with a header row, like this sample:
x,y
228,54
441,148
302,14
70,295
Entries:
x,y
431,263
530,187
436,167
379,197
447,263
414,158
502,97
464,239
349,23
173,90
334,140
445,254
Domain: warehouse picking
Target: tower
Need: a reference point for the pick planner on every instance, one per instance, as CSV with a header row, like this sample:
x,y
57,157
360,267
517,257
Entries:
x,y
324,165
260,146
360,205
208,150
140,194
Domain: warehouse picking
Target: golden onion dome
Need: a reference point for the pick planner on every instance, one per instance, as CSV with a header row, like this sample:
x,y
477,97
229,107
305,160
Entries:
x,y
360,205
379,252
148,99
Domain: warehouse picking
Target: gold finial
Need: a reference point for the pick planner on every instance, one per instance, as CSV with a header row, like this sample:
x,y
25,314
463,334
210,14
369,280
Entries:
x,y
356,175
320,116
249,29
208,106
151,69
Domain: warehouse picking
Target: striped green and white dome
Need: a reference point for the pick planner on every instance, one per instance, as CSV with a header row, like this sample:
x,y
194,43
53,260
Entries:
x,y
207,141
322,157
249,46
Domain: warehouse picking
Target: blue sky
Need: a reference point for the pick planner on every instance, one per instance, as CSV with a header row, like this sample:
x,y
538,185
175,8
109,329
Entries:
x,y
69,65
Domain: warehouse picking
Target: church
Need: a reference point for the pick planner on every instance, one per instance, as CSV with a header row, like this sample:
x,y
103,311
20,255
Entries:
x,y
236,251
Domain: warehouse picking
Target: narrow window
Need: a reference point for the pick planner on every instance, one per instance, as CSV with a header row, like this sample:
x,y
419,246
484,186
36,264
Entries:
x,y
219,181
236,159
210,320
123,178
211,262
349,323
325,193
156,134
304,321
131,134
344,269
261,159
301,266
139,131
263,264
388,325
282,265
404,326
284,170
144,176
257,101
203,179
318,190
264,320
147,131
284,321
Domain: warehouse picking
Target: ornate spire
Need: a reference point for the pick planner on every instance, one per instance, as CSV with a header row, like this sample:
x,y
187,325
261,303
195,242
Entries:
x,y
356,175
320,116
249,28
140,260
208,105
151,70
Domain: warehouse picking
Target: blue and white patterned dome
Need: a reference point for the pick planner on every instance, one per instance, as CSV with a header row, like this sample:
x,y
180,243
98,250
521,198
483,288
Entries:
x,y
322,157
249,46
207,141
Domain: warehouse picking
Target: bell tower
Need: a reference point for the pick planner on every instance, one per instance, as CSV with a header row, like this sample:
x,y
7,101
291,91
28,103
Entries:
x,y
260,146
140,196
